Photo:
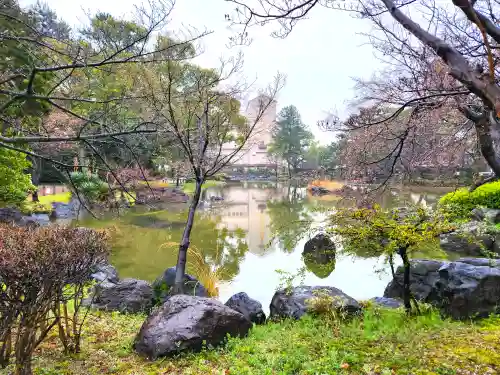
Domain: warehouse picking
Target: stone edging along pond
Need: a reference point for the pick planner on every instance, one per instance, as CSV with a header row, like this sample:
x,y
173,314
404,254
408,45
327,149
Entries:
x,y
462,289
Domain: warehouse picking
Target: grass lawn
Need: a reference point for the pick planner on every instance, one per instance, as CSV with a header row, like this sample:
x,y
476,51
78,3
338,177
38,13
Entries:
x,y
44,204
188,187
383,342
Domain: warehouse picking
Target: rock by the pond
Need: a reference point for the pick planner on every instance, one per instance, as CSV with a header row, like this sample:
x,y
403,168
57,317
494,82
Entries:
x,y
460,289
127,295
187,323
105,272
10,215
163,284
480,261
423,278
390,303
321,248
489,214
470,240
249,308
293,303
62,210
13,216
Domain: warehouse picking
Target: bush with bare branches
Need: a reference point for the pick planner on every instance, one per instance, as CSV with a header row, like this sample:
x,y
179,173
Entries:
x,y
43,273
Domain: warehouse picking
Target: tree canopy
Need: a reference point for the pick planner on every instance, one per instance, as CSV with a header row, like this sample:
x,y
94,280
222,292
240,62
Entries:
x,y
440,59
291,138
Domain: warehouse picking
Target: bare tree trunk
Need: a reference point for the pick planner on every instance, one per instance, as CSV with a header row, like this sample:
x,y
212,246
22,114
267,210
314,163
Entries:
x,y
406,279
483,131
184,245
36,171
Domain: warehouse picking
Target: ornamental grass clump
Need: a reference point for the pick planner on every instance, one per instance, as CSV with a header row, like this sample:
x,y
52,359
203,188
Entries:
x,y
43,275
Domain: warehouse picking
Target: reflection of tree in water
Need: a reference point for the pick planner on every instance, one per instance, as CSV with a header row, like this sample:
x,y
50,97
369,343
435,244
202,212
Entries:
x,y
220,248
290,220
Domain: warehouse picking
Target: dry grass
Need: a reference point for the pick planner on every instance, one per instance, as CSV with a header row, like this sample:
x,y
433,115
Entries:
x,y
208,273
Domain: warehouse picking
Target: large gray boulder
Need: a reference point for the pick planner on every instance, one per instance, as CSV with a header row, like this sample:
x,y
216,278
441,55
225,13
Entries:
x,y
468,291
463,289
127,295
424,274
471,240
293,303
249,308
163,285
187,323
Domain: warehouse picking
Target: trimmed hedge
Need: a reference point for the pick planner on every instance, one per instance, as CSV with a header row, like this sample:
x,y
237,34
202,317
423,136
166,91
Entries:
x,y
461,202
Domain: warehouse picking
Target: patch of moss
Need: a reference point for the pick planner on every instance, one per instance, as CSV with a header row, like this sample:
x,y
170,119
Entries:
x,y
378,342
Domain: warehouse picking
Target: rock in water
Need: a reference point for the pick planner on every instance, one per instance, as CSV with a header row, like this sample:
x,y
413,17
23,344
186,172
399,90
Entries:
x,y
464,289
163,284
320,248
127,295
249,308
319,255
294,303
187,323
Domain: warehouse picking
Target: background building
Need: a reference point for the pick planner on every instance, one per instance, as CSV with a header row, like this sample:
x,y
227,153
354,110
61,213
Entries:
x,y
254,155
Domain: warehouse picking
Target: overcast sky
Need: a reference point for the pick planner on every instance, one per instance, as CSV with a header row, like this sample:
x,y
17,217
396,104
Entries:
x,y
319,57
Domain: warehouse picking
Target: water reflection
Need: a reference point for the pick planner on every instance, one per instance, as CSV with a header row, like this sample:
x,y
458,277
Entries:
x,y
249,231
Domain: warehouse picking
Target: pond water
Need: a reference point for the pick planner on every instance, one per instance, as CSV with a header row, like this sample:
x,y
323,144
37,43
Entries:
x,y
255,230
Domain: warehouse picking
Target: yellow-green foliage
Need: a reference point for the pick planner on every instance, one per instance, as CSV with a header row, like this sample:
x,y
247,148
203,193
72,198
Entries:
x,y
44,204
15,185
189,187
154,184
459,203
380,341
374,231
209,274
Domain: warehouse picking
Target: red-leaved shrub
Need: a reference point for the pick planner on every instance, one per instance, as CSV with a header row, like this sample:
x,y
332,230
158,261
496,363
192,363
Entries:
x,y
42,272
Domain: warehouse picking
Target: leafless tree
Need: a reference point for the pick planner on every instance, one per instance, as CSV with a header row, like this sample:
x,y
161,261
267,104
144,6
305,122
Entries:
x,y
201,108
410,35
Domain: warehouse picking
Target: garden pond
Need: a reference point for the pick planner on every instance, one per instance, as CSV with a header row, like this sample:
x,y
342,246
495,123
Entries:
x,y
250,237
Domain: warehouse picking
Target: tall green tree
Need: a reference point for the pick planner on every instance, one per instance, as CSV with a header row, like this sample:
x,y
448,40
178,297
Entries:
x,y
291,138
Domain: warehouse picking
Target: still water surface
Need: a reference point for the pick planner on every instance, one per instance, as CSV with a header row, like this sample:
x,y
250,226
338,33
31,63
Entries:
x,y
257,229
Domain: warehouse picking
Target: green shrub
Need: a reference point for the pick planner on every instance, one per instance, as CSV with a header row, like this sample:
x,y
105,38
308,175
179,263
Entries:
x,y
90,185
458,204
15,184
